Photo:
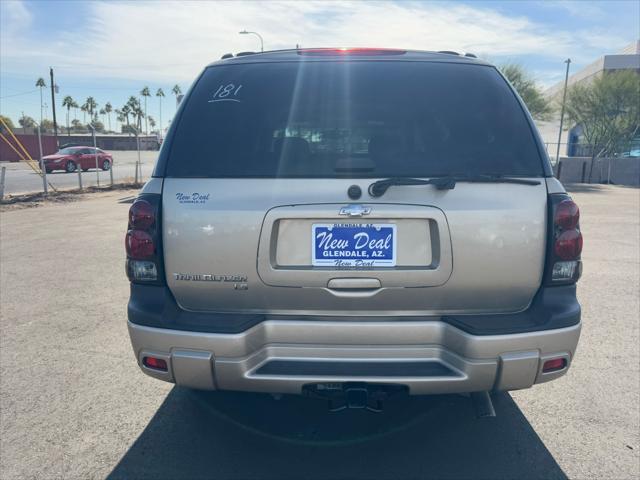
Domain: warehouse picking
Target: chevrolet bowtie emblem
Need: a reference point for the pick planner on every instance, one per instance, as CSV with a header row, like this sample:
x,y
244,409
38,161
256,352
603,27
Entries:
x,y
355,210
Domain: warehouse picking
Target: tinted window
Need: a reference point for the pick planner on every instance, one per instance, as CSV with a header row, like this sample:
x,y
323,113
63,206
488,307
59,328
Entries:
x,y
360,119
68,151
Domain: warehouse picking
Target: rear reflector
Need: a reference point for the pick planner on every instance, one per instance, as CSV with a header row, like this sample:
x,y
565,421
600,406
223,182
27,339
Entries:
x,y
155,363
554,365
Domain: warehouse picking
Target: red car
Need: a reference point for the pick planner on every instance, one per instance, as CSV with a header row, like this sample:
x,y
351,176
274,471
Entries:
x,y
70,158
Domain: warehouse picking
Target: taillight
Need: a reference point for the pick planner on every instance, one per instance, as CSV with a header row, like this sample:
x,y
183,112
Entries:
x,y
565,243
566,215
143,241
139,244
141,215
568,245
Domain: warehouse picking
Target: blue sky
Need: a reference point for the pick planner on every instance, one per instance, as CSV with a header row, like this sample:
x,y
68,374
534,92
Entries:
x,y
110,50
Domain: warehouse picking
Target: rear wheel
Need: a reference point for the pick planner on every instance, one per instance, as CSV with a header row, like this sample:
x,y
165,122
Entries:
x,y
70,167
106,165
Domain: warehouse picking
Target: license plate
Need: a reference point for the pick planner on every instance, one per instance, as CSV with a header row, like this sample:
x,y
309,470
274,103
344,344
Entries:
x,y
363,245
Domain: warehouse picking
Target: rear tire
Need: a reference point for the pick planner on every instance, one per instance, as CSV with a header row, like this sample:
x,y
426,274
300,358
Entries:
x,y
106,165
70,167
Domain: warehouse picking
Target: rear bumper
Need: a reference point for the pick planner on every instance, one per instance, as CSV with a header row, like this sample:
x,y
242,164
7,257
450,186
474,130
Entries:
x,y
440,354
281,356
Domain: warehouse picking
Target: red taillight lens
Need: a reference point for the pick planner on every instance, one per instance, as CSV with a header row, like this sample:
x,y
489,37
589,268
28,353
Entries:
x,y
155,363
567,215
139,244
554,365
141,215
569,245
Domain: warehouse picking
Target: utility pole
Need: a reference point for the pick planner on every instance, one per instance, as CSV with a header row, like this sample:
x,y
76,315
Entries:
x,y
53,105
564,97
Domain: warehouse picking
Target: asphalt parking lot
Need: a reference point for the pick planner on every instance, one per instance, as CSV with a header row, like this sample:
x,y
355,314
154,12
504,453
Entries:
x,y
74,404
20,178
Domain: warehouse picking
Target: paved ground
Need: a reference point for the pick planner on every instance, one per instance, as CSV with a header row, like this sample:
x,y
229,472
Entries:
x,y
20,178
74,405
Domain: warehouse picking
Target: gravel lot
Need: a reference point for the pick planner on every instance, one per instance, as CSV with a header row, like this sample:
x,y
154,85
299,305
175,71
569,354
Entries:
x,y
74,405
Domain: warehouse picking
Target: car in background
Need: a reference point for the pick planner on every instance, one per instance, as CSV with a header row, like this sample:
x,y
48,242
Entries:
x,y
70,159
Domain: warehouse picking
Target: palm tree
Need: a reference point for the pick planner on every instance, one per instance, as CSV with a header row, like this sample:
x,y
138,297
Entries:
x,y
125,111
138,114
160,94
145,93
84,108
92,106
152,122
40,84
75,107
119,118
103,112
69,103
176,90
108,108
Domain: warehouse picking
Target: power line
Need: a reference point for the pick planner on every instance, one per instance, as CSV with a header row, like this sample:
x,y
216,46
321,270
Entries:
x,y
18,94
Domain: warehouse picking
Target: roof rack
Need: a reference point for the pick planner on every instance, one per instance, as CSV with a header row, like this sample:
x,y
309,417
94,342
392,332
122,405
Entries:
x,y
244,54
471,55
227,55
449,52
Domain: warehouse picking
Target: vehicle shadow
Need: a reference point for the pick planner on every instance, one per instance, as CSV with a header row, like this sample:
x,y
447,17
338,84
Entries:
x,y
237,436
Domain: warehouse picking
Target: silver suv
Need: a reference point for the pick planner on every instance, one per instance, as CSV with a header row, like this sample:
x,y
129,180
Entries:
x,y
325,221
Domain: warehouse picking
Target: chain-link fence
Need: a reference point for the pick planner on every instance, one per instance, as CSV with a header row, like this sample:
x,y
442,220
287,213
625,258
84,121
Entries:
x,y
80,172
581,150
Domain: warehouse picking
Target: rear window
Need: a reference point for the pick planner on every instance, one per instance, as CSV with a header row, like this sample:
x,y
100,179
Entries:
x,y
353,119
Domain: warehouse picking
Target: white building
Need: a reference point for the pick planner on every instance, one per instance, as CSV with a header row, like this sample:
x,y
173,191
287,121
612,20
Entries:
x,y
627,59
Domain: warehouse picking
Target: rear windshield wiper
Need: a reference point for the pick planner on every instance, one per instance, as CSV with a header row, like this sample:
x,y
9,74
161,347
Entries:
x,y
378,188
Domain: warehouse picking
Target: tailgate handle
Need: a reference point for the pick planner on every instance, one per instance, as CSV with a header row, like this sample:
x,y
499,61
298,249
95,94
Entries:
x,y
354,283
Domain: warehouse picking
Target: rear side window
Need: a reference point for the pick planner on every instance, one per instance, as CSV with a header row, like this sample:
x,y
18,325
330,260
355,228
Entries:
x,y
353,119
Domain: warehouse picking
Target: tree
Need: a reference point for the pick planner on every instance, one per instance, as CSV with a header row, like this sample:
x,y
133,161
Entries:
x,y
160,95
103,112
41,84
92,106
176,90
69,103
607,110
26,121
6,121
145,93
98,125
84,108
125,111
136,111
539,107
46,125
152,122
108,108
77,126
